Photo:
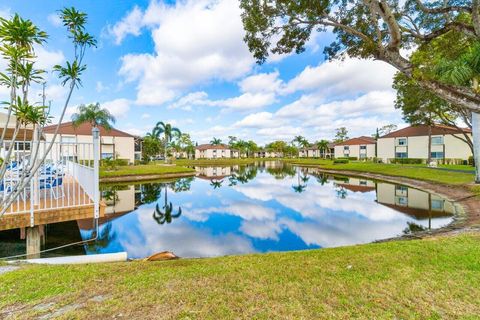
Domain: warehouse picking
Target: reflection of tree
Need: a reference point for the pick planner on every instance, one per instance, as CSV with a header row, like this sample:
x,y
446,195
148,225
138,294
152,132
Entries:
x,y
243,175
302,180
282,172
183,184
215,183
412,228
105,237
109,192
321,178
167,214
341,192
151,192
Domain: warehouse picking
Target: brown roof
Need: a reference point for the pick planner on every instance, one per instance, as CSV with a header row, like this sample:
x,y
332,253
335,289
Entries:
x,y
212,146
357,141
85,129
422,130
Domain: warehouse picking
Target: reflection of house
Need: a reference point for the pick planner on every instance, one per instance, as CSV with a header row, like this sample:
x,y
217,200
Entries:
x,y
412,142
114,143
211,151
360,148
267,154
119,200
356,184
215,172
412,201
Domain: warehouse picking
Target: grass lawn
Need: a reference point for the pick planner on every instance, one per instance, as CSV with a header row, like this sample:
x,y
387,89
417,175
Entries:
x,y
151,169
421,279
408,171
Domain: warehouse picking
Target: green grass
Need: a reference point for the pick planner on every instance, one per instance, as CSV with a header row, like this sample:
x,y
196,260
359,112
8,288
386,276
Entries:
x,y
151,169
408,171
422,279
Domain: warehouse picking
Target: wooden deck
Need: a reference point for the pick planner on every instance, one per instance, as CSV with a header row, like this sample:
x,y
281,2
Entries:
x,y
71,203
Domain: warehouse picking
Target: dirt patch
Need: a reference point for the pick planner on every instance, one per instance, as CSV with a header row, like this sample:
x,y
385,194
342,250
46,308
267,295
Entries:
x,y
465,221
148,177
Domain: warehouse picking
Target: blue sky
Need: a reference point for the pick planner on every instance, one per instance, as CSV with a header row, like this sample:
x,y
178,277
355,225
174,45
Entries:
x,y
185,63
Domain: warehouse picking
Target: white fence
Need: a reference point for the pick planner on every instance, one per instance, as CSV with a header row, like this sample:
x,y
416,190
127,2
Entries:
x,y
66,177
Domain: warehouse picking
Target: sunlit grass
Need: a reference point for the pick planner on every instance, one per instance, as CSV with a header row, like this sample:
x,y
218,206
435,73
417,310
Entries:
x,y
152,169
433,278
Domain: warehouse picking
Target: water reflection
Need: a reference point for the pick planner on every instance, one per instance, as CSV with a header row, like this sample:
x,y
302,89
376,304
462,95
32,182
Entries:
x,y
266,207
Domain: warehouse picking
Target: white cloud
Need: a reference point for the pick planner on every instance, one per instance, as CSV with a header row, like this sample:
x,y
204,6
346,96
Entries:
x,y
118,107
349,76
130,24
47,59
186,102
262,82
54,19
246,101
146,116
100,87
195,41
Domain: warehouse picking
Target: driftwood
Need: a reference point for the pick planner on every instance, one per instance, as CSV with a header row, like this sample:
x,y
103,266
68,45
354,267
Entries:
x,y
162,256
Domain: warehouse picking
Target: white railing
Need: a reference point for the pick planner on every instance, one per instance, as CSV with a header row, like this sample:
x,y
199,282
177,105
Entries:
x,y
65,179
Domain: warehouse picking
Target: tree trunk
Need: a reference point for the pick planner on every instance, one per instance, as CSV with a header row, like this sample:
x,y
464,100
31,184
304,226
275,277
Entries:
x,y
476,144
165,151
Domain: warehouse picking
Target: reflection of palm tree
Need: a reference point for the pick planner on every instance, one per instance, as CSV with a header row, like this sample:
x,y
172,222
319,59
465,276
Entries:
x,y
182,185
216,183
105,237
166,216
322,178
244,175
301,183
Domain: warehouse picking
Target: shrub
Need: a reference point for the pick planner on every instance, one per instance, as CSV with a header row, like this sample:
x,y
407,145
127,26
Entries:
x,y
407,160
471,161
340,161
122,162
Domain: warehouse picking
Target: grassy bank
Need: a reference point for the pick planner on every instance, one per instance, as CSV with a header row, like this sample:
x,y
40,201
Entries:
x,y
397,170
144,170
434,278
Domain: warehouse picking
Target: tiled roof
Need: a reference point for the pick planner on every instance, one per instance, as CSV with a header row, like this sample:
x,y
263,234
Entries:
x,y
357,141
85,129
422,130
212,146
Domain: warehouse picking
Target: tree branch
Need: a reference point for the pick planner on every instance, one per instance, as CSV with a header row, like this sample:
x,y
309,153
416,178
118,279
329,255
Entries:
x,y
444,9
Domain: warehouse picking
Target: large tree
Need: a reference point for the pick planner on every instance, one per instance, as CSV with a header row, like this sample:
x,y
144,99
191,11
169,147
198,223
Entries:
x,y
169,132
378,29
94,115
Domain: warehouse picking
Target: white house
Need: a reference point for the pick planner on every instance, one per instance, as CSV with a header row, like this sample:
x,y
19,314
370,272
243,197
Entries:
x,y
114,143
360,148
211,151
310,152
267,154
412,142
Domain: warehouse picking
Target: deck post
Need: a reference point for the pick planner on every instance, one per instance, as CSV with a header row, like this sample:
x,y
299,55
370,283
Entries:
x,y
33,242
96,171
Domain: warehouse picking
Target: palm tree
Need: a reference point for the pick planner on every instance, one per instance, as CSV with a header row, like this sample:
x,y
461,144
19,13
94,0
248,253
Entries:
x,y
94,115
216,141
216,183
322,145
168,132
300,141
166,216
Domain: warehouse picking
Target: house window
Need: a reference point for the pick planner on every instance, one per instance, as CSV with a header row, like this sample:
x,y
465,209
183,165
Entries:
x,y
22,146
68,139
436,155
402,201
363,147
401,155
346,148
437,204
107,155
437,140
401,141
363,155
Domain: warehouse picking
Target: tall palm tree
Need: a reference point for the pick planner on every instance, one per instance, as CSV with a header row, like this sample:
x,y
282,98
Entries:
x,y
301,141
216,141
94,115
168,132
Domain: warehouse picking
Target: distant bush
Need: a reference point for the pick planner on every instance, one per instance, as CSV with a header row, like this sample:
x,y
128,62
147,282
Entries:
x,y
340,161
407,160
347,158
471,161
122,162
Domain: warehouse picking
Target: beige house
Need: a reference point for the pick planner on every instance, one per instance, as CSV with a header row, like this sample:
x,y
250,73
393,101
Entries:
x,y
114,143
412,142
210,151
267,154
310,152
360,148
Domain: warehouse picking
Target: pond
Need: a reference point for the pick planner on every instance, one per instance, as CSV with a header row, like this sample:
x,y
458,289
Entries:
x,y
265,207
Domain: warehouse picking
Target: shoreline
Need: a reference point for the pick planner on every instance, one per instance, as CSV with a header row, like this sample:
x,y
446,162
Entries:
x,y
465,221
147,177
